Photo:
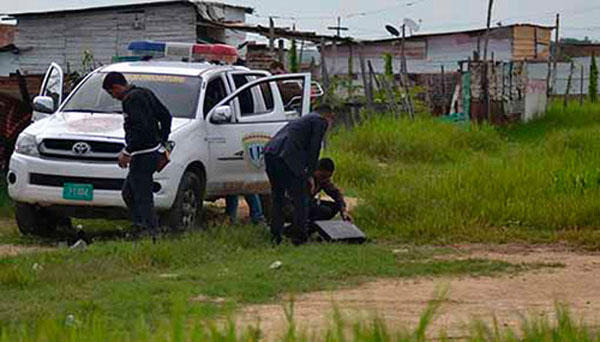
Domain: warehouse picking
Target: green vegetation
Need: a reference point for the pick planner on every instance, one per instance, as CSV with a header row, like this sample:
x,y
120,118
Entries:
x,y
179,327
123,279
294,64
429,181
593,87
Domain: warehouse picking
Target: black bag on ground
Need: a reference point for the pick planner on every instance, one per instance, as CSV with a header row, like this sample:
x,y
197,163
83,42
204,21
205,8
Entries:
x,y
342,231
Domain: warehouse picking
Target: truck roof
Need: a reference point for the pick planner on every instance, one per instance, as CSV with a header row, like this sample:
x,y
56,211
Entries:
x,y
171,68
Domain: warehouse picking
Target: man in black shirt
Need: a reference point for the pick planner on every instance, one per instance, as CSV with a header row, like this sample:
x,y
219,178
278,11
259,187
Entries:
x,y
147,127
290,157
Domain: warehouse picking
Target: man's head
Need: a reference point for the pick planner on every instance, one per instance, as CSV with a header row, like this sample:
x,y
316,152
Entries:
x,y
115,85
325,169
277,68
326,112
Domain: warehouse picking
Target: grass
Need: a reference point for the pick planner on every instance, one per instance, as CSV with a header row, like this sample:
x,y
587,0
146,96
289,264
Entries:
x,y
123,280
426,181
180,327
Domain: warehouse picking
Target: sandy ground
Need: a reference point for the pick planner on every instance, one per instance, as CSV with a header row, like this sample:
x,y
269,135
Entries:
x,y
400,301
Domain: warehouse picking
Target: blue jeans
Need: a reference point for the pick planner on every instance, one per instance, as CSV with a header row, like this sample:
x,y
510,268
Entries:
x,y
256,211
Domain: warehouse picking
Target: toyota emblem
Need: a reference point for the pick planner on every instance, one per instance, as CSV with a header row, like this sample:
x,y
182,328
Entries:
x,y
81,148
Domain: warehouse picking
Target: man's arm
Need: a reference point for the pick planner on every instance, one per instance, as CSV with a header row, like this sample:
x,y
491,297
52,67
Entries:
x,y
334,192
314,148
135,107
164,118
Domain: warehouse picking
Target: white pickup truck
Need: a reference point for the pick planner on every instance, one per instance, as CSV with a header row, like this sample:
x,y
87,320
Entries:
x,y
64,164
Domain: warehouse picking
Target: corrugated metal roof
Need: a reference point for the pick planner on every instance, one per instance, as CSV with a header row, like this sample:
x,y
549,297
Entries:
x,y
471,32
127,4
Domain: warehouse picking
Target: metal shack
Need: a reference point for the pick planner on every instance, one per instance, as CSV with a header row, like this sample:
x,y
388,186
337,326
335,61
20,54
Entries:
x,y
63,36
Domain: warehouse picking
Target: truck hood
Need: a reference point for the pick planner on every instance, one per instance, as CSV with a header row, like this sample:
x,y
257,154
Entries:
x,y
86,124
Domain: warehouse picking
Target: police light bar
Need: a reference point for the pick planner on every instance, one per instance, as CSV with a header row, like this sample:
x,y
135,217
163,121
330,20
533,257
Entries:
x,y
208,52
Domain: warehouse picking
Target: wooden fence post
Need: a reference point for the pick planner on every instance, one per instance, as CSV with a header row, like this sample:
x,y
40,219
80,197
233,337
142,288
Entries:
x,y
581,88
572,70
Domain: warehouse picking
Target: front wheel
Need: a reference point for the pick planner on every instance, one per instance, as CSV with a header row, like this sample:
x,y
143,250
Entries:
x,y
187,209
34,220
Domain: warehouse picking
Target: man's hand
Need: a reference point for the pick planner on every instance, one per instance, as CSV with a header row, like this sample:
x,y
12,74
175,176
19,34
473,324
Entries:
x,y
123,160
346,216
311,185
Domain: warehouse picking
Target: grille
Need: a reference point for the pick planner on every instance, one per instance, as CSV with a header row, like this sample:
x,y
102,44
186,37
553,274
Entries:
x,y
63,148
59,181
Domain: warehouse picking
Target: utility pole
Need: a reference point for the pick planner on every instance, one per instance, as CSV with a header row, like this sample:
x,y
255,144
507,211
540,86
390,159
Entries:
x,y
487,31
338,28
556,55
271,35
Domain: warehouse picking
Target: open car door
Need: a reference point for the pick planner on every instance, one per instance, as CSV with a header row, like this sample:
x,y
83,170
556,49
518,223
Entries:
x,y
241,124
51,93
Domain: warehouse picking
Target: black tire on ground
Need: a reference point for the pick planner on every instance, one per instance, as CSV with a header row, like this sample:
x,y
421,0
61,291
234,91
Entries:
x,y
187,209
34,220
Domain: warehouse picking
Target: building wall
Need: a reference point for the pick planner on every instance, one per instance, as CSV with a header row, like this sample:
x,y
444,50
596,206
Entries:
x,y
63,38
9,63
425,55
531,43
7,34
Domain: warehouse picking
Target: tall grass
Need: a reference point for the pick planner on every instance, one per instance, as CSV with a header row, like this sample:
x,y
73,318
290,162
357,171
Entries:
x,y
180,328
428,181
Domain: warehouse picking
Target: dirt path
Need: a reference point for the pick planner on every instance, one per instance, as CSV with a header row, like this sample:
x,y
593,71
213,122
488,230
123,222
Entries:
x,y
400,302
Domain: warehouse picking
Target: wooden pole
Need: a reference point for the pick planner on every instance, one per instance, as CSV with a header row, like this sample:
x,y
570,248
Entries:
x,y
281,51
487,31
568,91
301,55
324,74
271,35
366,85
581,88
556,51
404,78
443,83
374,75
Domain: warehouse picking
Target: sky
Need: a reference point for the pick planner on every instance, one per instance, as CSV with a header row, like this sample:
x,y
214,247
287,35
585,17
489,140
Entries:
x,y
366,19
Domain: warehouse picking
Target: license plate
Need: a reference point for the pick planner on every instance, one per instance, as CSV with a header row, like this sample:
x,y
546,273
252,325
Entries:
x,y
78,192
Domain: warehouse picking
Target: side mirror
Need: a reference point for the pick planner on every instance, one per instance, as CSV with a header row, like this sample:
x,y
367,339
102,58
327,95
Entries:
x,y
43,104
221,115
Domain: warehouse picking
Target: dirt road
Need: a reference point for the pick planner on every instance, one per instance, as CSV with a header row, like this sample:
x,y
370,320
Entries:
x,y
400,302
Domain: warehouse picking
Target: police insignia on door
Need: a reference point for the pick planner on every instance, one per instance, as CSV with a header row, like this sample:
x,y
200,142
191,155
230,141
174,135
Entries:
x,y
254,148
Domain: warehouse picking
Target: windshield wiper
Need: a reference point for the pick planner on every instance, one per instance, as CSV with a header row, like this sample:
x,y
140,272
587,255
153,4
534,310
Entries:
x,y
94,111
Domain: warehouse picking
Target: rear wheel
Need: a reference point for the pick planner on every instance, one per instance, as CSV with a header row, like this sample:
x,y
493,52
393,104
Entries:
x,y
35,220
187,209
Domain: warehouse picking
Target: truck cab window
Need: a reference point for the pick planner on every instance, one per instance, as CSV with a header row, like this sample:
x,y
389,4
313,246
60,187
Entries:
x,y
215,92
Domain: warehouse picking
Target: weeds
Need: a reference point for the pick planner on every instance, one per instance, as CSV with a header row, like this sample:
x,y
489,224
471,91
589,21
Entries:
x,y
181,328
427,181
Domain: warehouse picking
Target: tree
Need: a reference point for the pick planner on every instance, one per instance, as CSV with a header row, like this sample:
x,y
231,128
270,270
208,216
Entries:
x,y
388,69
593,89
293,58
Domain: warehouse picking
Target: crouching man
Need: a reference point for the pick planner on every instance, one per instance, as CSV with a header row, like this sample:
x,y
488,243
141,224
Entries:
x,y
323,210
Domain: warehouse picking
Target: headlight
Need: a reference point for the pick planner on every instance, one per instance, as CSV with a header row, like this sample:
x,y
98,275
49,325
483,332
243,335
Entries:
x,y
27,145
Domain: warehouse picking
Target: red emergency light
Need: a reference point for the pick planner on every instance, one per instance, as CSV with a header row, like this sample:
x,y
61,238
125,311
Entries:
x,y
207,52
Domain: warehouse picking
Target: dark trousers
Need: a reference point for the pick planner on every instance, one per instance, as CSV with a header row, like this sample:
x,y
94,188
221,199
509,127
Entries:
x,y
283,180
323,210
137,191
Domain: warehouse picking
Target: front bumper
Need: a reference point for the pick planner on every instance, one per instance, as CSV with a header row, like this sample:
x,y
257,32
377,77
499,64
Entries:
x,y
21,189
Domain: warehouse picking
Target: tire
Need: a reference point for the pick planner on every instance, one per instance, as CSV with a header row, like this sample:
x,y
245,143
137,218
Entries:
x,y
187,209
33,220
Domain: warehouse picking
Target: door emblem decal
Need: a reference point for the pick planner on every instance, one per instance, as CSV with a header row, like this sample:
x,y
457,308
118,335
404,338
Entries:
x,y
254,148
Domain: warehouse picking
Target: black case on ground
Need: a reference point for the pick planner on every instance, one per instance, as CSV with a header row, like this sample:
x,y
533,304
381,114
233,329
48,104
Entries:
x,y
342,231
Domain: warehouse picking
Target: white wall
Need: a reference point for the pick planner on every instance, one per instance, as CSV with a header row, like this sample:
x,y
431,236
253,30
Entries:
x,y
9,63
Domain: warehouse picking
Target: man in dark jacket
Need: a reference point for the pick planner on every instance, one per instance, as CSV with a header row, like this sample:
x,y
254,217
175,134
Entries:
x,y
147,127
290,157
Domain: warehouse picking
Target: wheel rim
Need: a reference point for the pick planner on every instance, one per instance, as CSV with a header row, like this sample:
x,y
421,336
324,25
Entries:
x,y
189,208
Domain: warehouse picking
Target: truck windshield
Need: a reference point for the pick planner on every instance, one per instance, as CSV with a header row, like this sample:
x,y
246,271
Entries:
x,y
178,93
